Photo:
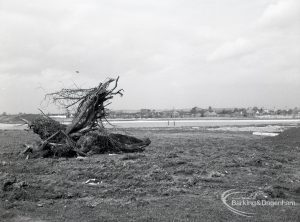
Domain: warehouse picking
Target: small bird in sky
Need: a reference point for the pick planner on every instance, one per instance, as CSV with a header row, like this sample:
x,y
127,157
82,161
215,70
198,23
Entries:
x,y
77,71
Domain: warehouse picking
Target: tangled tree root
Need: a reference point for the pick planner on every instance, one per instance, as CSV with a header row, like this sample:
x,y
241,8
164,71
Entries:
x,y
86,134
46,127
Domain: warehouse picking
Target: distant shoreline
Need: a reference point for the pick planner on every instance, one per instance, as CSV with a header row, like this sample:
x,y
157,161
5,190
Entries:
x,y
204,118
177,123
14,119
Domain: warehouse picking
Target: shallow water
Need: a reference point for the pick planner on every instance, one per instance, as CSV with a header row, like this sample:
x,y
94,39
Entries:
x,y
257,125
202,123
258,128
10,126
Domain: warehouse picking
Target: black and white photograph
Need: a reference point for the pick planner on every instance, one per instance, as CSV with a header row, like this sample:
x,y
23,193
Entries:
x,y
149,110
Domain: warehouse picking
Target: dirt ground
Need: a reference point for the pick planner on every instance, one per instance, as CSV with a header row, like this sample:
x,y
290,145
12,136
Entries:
x,y
180,177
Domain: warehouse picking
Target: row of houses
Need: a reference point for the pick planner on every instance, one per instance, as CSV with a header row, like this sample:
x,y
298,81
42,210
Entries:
x,y
201,112
197,112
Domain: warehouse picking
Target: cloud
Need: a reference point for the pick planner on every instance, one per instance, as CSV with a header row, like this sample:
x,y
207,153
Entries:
x,y
182,49
234,49
282,14
264,60
273,38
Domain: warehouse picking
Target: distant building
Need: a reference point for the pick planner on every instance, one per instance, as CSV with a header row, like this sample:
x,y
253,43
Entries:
x,y
147,113
237,114
250,112
197,112
175,114
210,114
198,115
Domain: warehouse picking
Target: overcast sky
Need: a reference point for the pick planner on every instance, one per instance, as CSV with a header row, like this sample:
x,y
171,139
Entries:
x,y
168,53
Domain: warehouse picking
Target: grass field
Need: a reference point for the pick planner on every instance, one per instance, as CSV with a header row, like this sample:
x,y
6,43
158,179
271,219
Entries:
x,y
180,177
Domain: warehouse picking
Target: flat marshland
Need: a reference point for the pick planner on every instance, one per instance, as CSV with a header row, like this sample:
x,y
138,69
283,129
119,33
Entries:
x,y
180,177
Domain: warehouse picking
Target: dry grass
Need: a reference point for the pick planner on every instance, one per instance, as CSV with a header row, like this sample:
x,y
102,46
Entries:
x,y
175,179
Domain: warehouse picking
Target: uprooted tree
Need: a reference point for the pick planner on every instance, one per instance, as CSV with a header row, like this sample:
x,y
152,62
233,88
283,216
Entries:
x,y
86,134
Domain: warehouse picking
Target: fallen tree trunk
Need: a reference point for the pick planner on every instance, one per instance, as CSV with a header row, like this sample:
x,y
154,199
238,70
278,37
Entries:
x,y
86,134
